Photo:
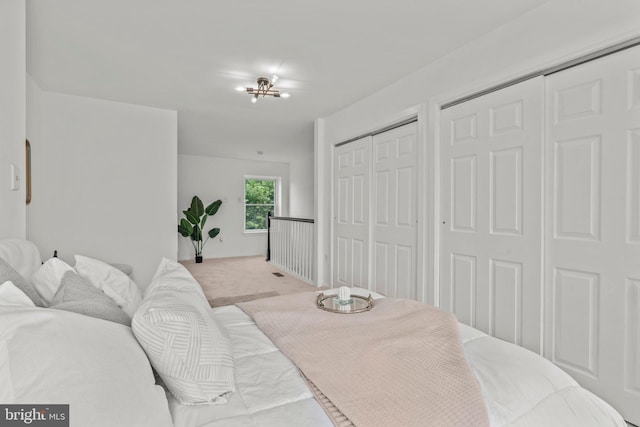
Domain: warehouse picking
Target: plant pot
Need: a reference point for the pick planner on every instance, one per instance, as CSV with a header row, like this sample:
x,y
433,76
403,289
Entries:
x,y
198,259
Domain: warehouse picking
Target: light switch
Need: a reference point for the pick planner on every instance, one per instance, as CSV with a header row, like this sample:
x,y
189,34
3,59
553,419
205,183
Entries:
x,y
15,178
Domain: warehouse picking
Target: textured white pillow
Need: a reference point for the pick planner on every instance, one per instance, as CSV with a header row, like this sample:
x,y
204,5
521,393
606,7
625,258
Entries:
x,y
96,367
189,350
111,281
47,278
11,295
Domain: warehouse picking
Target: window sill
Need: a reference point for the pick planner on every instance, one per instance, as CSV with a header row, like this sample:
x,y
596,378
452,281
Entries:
x,y
255,232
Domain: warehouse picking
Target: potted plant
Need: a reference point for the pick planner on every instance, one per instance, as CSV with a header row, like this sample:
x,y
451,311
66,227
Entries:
x,y
192,225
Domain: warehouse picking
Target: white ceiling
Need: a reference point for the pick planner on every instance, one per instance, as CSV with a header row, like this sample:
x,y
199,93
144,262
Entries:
x,y
190,55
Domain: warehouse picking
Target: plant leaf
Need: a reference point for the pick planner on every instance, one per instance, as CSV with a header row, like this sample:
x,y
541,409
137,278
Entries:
x,y
196,235
183,231
193,219
214,232
196,206
204,220
213,207
185,228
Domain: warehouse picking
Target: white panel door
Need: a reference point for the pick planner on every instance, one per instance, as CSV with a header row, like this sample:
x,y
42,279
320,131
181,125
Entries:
x,y
593,227
352,175
491,213
394,233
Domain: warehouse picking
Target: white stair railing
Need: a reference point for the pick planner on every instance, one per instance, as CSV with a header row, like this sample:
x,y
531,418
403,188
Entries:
x,y
290,245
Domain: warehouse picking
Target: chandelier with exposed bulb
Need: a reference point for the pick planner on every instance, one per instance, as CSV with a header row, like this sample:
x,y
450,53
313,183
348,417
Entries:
x,y
265,88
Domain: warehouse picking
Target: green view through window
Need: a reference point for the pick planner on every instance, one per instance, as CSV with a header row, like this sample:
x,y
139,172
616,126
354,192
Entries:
x,y
259,199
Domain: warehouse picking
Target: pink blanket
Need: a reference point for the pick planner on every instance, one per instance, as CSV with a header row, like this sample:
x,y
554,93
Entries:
x,y
400,364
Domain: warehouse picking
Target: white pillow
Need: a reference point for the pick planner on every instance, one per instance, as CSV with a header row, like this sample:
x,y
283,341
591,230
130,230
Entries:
x,y
189,350
47,278
97,367
11,295
22,255
111,281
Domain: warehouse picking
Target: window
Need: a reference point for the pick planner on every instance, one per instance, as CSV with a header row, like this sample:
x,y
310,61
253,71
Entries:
x,y
260,197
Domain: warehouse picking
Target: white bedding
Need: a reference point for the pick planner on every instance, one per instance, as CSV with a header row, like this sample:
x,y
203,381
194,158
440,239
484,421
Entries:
x,y
519,387
523,389
269,389
52,356
94,366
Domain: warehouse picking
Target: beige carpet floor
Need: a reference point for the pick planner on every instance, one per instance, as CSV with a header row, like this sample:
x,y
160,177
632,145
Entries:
x,y
237,279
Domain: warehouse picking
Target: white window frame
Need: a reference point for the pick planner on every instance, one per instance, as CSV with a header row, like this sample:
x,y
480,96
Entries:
x,y
277,202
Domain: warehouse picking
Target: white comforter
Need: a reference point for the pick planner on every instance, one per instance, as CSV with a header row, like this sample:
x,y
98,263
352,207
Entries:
x,y
269,389
520,387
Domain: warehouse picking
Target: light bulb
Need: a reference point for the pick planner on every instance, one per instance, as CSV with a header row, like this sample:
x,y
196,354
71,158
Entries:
x,y
285,95
274,79
240,89
254,99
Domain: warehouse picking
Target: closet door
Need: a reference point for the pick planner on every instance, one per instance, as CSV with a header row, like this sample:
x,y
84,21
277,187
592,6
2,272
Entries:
x,y
352,176
395,157
491,213
593,222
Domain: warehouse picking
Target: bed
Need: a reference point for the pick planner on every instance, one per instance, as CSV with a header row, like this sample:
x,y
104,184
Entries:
x,y
112,374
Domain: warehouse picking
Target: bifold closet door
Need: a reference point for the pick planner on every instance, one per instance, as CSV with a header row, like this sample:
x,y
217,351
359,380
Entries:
x,y
593,227
394,232
491,213
351,223
375,212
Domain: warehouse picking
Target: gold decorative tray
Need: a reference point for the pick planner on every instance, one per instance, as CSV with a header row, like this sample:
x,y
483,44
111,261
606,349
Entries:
x,y
355,304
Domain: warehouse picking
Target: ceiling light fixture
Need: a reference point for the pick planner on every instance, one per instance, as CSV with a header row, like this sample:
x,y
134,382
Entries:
x,y
265,88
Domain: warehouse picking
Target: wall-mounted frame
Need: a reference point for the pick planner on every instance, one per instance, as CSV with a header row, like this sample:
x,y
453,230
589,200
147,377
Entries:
x,y
27,148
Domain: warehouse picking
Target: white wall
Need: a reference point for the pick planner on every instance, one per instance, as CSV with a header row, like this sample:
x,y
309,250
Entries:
x,y
547,35
12,116
301,187
212,178
104,180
